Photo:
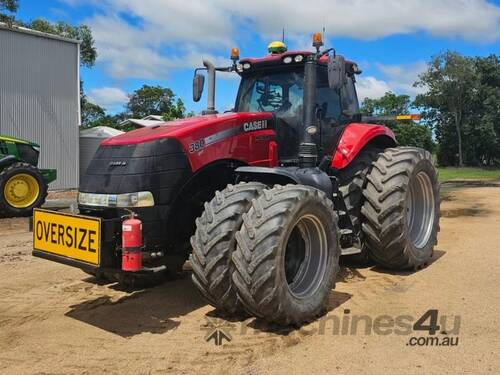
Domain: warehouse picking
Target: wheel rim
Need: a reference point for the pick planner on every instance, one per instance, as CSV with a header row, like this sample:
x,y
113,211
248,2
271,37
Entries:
x,y
21,190
420,210
306,256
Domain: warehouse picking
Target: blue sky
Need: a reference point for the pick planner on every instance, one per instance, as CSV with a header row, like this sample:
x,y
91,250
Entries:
x,y
161,41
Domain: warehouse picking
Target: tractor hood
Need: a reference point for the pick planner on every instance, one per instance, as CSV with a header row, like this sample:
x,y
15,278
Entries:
x,y
192,127
160,159
18,141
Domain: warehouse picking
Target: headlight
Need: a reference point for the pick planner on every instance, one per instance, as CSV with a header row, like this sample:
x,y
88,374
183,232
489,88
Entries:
x,y
298,58
140,199
287,60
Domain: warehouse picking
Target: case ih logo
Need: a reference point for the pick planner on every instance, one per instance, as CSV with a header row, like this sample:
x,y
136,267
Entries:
x,y
117,163
255,125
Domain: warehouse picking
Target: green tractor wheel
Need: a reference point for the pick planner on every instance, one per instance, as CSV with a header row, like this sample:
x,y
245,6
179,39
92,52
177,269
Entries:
x,y
22,188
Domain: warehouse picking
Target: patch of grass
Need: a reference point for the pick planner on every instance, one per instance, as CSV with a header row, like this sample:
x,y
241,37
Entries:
x,y
468,173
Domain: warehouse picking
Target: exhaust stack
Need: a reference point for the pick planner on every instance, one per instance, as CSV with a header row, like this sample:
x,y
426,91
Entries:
x,y
211,88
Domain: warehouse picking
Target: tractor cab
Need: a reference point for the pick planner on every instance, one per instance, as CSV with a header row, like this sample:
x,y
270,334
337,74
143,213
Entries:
x,y
276,84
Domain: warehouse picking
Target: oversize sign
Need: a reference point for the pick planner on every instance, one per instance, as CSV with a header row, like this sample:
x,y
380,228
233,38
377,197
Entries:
x,y
70,236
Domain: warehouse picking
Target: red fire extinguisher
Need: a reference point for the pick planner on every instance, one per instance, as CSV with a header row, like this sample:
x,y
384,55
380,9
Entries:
x,y
131,243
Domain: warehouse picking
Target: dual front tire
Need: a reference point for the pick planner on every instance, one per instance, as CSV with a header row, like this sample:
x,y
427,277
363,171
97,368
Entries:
x,y
273,254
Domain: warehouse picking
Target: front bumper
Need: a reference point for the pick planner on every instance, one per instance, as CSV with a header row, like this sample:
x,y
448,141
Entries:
x,y
110,251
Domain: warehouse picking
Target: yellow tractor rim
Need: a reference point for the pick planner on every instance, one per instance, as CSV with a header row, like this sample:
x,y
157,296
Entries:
x,y
21,190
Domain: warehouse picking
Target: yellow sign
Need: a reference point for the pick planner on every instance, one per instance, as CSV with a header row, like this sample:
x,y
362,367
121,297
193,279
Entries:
x,y
70,236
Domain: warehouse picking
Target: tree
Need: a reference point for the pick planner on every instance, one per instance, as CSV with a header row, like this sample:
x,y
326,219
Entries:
x,y
155,100
407,132
484,122
9,6
451,84
388,105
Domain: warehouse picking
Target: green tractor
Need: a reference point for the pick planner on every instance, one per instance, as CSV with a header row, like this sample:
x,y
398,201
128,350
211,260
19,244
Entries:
x,y
23,186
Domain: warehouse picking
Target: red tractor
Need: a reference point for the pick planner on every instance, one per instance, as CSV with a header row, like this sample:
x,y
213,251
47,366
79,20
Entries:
x,y
265,197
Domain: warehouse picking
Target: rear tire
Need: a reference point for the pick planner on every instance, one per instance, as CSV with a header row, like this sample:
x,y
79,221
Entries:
x,y
401,208
352,181
213,243
287,255
16,208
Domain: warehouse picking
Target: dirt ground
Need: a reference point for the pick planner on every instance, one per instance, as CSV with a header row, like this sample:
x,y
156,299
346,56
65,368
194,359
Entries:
x,y
56,319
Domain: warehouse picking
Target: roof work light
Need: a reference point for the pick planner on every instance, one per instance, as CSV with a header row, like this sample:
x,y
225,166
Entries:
x,y
317,40
235,54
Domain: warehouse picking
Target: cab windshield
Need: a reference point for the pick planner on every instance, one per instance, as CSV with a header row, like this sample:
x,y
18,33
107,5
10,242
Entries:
x,y
281,92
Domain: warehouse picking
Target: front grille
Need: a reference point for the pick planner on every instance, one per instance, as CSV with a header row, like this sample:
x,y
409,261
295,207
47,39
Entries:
x,y
160,167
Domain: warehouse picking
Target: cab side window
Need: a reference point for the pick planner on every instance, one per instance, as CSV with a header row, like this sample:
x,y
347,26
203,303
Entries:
x,y
349,96
327,99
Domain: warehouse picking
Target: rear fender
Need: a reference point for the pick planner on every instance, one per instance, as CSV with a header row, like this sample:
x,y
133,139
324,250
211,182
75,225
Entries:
x,y
355,137
49,175
287,175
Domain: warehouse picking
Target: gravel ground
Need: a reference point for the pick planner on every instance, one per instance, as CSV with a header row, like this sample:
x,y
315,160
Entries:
x,y
56,319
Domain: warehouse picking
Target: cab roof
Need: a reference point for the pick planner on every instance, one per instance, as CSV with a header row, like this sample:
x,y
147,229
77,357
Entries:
x,y
277,59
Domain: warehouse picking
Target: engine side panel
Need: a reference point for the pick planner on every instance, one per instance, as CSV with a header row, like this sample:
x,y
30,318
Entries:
x,y
355,137
244,137
247,139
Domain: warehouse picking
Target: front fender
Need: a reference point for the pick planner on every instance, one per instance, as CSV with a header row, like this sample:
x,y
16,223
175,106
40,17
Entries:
x,y
355,137
6,161
287,175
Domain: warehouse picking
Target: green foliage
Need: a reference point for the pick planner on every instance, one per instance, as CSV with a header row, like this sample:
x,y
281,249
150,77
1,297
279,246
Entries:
x,y
462,103
9,6
91,114
414,135
155,100
148,100
407,132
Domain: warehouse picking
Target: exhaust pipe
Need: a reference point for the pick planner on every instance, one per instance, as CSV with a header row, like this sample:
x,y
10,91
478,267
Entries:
x,y
211,88
308,153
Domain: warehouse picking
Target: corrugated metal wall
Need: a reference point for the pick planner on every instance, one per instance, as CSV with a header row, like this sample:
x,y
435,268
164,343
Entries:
x,y
39,99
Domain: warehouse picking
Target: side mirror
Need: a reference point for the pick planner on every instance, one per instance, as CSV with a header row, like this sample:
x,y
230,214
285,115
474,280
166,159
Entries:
x,y
198,83
336,72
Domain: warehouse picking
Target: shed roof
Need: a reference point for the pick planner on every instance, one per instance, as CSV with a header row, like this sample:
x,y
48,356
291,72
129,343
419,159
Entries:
x,y
25,30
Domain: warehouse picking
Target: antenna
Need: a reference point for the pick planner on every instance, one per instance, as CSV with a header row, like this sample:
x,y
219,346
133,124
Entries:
x,y
323,32
283,35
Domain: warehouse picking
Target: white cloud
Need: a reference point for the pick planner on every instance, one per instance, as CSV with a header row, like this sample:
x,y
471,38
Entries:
x,y
185,28
401,77
396,78
371,87
108,97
